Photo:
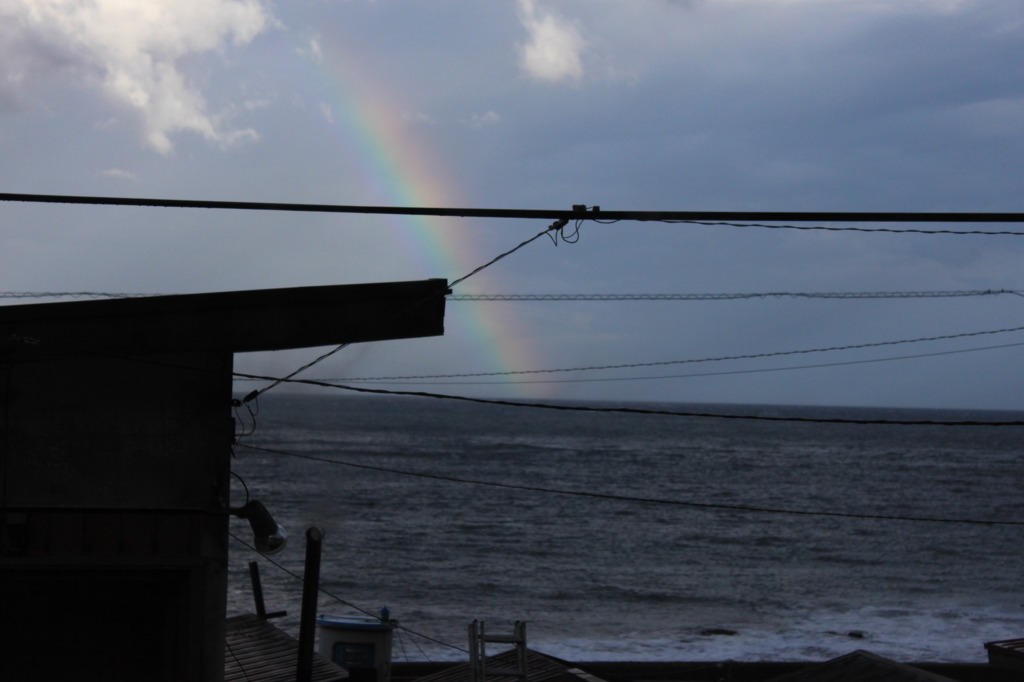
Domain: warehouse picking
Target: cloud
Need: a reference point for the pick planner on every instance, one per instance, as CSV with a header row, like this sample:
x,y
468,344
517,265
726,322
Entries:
x,y
327,111
478,121
554,47
131,51
119,174
312,52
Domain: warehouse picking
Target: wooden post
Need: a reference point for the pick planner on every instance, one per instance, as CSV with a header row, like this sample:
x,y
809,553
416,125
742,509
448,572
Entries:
x,y
257,589
310,590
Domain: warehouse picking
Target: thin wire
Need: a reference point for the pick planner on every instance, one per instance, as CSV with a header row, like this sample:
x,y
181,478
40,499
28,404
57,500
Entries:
x,y
300,370
827,228
553,228
581,408
730,296
637,410
630,498
235,404
401,645
418,648
703,374
69,294
660,363
242,481
241,667
333,596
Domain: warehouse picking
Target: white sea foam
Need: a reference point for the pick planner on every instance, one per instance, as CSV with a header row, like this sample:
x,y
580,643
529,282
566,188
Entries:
x,y
940,636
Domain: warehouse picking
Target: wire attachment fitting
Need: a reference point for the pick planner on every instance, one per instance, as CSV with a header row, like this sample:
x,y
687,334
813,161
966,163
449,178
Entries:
x,y
252,395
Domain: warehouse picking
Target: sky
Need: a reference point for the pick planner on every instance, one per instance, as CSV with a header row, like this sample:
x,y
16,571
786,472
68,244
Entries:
x,y
745,105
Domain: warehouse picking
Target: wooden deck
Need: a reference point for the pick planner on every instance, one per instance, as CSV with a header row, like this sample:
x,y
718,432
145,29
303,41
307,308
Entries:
x,y
256,650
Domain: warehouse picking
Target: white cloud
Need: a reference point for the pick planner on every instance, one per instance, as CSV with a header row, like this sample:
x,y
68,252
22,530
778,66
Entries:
x,y
553,50
312,52
418,117
327,111
478,121
119,174
130,50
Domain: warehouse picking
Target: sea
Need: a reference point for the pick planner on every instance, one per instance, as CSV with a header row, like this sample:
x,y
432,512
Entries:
x,y
635,537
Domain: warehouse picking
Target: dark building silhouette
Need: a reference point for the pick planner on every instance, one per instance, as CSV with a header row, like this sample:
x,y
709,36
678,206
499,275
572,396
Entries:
x,y
115,436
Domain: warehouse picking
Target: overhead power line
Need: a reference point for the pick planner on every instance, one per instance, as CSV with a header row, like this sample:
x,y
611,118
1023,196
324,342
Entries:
x,y
636,410
70,294
602,297
732,296
578,212
635,499
720,358
691,375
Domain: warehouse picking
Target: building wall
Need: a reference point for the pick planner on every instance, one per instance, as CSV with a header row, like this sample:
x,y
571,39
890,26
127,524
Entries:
x,y
113,491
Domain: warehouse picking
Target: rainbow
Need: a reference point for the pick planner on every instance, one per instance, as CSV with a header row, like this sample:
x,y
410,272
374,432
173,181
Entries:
x,y
400,170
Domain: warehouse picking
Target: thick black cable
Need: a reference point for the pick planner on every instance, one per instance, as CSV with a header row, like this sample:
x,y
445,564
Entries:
x,y
578,212
335,597
633,499
601,297
637,410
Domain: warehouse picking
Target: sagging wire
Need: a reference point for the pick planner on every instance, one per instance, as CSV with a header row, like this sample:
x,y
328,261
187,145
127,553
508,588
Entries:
x,y
847,228
401,645
722,358
554,228
405,654
826,228
335,597
255,394
759,370
248,402
642,500
857,295
244,486
560,233
638,410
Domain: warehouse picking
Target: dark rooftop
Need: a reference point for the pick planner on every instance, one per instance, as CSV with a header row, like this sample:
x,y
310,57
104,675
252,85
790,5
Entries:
x,y
234,321
539,668
256,650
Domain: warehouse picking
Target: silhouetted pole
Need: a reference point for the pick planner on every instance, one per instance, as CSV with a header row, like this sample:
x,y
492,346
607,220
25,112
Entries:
x,y
257,594
257,589
310,590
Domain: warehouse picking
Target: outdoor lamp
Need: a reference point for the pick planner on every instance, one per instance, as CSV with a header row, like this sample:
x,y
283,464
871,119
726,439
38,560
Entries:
x,y
268,536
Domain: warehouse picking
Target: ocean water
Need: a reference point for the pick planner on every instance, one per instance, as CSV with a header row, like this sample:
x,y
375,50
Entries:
x,y
607,578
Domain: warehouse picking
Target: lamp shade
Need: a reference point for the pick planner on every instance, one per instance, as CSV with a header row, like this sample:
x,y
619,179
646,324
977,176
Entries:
x,y
268,536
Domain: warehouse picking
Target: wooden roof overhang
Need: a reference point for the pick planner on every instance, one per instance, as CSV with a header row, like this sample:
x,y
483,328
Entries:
x,y
235,321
